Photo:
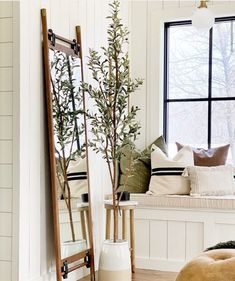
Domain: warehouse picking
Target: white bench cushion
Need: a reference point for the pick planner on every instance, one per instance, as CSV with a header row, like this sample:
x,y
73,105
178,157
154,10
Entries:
x,y
226,202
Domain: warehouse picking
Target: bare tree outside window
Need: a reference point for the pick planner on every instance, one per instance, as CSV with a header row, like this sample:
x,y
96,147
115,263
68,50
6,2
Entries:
x,y
200,92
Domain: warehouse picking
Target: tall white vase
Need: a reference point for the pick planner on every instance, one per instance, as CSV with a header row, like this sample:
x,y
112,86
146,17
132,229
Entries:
x,y
115,261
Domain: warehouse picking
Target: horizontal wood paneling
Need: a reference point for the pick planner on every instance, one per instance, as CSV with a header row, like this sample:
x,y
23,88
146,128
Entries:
x,y
6,176
5,270
5,30
16,97
5,127
6,79
6,103
5,200
5,224
5,152
5,54
5,246
6,9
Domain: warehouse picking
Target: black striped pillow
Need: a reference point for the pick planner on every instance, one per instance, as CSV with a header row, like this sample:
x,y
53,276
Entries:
x,y
77,177
167,171
166,176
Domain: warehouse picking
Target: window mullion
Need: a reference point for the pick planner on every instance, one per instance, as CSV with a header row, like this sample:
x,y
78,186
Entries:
x,y
165,110
210,87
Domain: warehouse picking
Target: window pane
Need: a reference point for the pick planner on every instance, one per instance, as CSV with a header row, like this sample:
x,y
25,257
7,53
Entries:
x,y
223,82
188,62
223,125
187,124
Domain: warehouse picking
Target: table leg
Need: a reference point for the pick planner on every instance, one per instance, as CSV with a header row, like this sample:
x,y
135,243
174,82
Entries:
x,y
88,227
108,218
132,242
124,225
83,225
116,213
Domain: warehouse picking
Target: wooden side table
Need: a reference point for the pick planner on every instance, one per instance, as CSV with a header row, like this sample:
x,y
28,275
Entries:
x,y
124,206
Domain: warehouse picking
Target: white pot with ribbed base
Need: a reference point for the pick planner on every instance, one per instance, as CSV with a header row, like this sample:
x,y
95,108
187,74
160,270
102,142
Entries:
x,y
115,261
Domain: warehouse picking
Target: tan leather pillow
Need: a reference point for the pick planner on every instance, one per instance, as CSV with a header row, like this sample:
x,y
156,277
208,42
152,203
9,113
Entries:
x,y
212,157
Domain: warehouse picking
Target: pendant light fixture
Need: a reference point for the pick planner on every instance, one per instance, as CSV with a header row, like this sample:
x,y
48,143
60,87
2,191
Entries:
x,y
203,19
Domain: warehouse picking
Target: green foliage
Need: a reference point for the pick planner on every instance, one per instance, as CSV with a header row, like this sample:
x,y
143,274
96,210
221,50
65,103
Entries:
x,y
113,125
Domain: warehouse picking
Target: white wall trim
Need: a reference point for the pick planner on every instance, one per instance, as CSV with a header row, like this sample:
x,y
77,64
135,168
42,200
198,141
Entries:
x,y
173,236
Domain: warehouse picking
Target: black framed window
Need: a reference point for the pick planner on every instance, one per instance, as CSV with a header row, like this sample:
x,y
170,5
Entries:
x,y
199,84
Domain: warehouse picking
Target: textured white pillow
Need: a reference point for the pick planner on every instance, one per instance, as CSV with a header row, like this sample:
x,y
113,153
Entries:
x,y
216,180
166,175
77,175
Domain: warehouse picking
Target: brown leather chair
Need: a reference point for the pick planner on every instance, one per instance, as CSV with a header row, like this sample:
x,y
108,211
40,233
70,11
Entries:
x,y
214,265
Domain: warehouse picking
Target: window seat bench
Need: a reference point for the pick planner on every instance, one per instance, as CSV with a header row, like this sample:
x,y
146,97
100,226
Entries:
x,y
171,230
226,202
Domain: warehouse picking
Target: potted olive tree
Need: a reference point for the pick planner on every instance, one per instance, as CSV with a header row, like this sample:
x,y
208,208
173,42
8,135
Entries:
x,y
66,106
113,125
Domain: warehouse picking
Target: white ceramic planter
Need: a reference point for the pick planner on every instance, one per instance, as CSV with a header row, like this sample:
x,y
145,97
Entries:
x,y
69,248
115,262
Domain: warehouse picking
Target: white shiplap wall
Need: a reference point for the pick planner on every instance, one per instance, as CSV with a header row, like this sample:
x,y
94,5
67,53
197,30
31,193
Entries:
x,y
6,139
147,18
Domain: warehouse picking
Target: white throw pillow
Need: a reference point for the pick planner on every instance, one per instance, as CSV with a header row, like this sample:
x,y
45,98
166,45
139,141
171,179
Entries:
x,y
77,175
166,175
216,180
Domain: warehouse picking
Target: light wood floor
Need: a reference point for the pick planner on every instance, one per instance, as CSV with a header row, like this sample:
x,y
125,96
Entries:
x,y
149,275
